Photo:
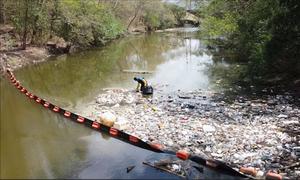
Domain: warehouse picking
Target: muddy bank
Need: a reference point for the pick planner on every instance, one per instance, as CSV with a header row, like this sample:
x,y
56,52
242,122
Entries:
x,y
20,58
16,58
261,133
11,55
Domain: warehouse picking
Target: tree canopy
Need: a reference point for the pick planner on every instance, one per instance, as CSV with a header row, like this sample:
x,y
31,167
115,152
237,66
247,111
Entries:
x,y
84,23
264,33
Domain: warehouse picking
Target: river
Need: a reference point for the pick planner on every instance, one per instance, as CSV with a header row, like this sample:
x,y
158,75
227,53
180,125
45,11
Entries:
x,y
36,143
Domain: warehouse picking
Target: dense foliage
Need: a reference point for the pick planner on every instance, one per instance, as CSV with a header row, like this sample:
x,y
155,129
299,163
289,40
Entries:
x,y
264,33
158,16
84,23
178,13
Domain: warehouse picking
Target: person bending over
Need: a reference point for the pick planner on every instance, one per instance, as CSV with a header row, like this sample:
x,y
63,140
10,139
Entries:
x,y
143,86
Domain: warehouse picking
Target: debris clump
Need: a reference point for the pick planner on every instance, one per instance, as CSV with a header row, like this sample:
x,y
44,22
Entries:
x,y
259,133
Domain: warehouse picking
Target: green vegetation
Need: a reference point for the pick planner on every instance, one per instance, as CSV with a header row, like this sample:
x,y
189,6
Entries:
x,y
178,13
84,23
158,16
263,33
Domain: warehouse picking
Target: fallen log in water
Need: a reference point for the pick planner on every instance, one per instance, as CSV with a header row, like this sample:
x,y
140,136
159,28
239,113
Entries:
x,y
138,71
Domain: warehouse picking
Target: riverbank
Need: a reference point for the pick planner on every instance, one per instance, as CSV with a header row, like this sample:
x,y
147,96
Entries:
x,y
13,57
260,133
17,59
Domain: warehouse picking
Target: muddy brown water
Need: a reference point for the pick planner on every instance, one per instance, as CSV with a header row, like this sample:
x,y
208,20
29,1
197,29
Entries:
x,y
36,143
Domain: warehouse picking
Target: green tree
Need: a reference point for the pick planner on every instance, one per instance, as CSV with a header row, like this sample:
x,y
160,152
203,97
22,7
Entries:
x,y
31,21
87,23
283,49
264,33
178,12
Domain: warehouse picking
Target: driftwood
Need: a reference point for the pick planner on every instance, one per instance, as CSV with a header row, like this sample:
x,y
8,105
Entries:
x,y
297,164
138,71
129,168
163,169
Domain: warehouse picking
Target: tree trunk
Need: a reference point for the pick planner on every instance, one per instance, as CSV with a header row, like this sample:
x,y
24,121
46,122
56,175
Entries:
x,y
116,3
2,12
131,21
135,14
53,16
24,39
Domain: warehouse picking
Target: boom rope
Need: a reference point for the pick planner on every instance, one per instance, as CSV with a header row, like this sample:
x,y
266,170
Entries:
x,y
115,133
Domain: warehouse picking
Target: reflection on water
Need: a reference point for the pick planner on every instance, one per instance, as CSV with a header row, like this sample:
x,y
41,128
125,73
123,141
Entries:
x,y
36,143
184,69
177,59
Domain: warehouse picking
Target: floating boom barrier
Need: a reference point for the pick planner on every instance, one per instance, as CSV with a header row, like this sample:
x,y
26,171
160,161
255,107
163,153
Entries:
x,y
219,166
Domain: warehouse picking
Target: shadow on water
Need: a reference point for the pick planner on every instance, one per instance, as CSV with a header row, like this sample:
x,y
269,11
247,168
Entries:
x,y
234,78
231,83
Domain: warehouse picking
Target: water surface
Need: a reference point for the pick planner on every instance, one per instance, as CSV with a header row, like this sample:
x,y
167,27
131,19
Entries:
x,y
36,143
